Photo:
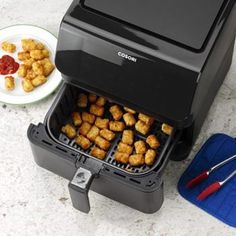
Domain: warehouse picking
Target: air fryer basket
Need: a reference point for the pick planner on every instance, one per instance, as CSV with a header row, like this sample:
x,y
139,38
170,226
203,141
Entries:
x,y
60,114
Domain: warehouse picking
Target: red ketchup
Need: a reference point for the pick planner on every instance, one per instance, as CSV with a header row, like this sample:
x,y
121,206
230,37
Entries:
x,y
8,65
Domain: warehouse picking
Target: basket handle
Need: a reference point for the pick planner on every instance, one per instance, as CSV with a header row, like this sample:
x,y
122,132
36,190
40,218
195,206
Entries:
x,y
79,188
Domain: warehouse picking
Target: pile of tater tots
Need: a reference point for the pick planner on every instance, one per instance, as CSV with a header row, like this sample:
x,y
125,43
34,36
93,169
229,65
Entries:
x,y
93,131
36,65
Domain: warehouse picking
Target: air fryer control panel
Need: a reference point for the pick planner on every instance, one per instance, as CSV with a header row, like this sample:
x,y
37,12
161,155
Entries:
x,y
183,21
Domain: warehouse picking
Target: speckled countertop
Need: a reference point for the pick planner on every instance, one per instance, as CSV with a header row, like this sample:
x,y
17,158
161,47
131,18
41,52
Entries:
x,y
34,201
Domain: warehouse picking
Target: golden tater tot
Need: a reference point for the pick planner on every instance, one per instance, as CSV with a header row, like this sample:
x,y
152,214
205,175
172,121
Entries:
x,y
8,47
84,128
69,131
142,127
117,126
102,143
28,44
83,142
39,46
150,157
129,119
92,98
107,134
102,123
30,75
167,129
22,71
87,117
9,83
136,160
122,157
46,53
22,56
146,119
44,61
37,54
153,142
27,85
99,153
116,112
140,147
77,120
128,137
101,101
29,62
96,110
39,80
93,133
124,148
48,67
37,68
129,110
82,100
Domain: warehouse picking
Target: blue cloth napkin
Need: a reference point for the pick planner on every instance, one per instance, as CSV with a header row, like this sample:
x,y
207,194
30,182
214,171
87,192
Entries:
x,y
221,204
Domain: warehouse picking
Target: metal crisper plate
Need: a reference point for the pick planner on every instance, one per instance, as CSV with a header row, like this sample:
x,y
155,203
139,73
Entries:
x,y
60,114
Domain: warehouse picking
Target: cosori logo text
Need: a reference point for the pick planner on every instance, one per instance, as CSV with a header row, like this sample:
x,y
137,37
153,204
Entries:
x,y
126,56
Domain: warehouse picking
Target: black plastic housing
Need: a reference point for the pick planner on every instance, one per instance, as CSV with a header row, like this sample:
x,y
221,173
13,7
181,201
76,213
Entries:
x,y
172,81
148,73
142,192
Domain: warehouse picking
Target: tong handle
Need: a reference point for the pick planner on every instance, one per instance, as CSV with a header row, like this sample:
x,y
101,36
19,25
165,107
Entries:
x,y
79,188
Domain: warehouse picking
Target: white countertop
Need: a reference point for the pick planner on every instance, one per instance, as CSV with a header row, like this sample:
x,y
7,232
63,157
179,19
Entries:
x,y
34,201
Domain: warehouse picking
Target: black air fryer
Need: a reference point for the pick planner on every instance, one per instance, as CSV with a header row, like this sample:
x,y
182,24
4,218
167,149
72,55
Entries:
x,y
166,59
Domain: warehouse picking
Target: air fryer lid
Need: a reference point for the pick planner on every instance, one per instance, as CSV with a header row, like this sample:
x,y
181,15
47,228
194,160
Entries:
x,y
184,21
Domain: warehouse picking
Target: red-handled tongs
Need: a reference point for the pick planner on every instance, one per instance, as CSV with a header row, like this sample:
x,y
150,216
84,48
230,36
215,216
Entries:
x,y
204,175
214,187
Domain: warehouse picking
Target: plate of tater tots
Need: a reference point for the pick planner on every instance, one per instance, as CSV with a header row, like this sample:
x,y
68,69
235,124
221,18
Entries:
x,y
27,69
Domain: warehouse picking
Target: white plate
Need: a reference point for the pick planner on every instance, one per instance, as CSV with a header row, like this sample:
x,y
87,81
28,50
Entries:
x,y
14,34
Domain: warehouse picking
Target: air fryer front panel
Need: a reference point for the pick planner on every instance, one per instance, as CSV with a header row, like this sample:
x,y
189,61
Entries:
x,y
151,85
